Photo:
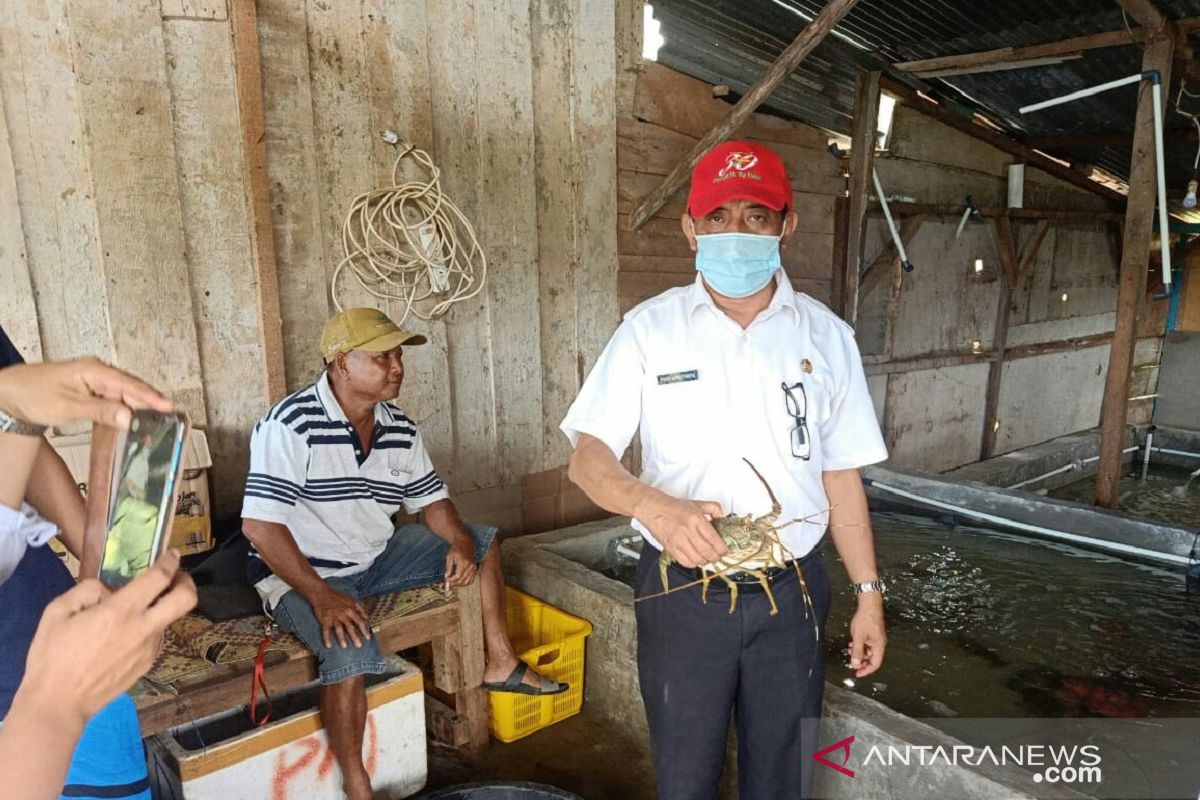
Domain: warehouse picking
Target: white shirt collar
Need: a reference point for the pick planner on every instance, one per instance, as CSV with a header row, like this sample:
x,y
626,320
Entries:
x,y
784,297
332,407
325,394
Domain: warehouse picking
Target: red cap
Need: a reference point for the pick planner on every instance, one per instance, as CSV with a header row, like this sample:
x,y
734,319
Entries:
x,y
739,170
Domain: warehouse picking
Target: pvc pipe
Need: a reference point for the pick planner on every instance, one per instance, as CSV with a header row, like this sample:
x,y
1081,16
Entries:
x,y
1064,468
1016,185
628,552
1176,452
962,223
1074,538
1155,79
1146,457
1164,229
887,213
1082,93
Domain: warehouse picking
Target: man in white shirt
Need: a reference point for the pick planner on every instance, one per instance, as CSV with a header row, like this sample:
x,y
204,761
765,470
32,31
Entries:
x,y
329,467
736,366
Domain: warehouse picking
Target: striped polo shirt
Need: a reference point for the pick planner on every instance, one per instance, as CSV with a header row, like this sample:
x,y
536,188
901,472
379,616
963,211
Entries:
x,y
307,472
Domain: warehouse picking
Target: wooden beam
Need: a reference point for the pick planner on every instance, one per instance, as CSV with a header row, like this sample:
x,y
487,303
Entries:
x,y
1061,346
1025,265
862,166
1131,285
999,66
881,267
909,97
812,35
1098,140
988,212
1006,248
1016,55
1144,13
248,73
884,365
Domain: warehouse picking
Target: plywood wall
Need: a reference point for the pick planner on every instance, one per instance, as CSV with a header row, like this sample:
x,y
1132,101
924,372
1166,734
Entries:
x,y
125,228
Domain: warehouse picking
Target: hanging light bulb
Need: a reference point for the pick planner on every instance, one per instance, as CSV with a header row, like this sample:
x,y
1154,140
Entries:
x,y
1189,200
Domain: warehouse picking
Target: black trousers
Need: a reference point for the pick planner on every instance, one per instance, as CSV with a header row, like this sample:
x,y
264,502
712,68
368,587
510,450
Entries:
x,y
697,664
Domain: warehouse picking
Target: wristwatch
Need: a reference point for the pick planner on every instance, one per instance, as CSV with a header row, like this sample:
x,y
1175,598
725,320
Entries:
x,y
868,586
10,424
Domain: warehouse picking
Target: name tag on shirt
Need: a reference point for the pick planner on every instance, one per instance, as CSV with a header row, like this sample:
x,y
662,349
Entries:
x,y
678,377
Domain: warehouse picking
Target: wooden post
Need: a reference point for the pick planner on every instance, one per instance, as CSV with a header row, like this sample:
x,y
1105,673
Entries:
x,y
458,668
248,67
862,163
1006,248
812,35
1147,15
841,231
1189,303
1135,258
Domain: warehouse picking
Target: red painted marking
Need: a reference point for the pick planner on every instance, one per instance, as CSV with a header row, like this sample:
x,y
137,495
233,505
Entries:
x,y
326,764
284,772
844,744
372,746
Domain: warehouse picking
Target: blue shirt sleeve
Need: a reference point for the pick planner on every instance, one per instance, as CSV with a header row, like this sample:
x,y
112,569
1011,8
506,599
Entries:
x,y
9,354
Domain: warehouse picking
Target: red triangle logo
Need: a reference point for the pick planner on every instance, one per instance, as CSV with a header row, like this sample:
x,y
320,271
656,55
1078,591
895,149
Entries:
x,y
843,745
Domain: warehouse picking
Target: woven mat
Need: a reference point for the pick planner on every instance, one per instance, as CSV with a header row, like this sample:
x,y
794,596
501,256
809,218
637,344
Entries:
x,y
195,643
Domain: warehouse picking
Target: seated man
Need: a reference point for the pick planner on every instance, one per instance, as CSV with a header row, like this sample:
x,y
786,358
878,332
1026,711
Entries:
x,y
329,467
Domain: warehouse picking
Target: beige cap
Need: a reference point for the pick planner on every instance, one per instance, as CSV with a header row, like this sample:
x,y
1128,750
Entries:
x,y
363,329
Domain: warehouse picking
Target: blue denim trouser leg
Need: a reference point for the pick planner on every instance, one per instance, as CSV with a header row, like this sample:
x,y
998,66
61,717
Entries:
x,y
414,557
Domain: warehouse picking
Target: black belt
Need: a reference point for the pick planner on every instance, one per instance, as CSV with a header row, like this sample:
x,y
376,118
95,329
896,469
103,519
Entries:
x,y
747,580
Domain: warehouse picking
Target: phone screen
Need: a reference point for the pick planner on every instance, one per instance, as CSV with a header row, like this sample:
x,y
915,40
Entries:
x,y
142,492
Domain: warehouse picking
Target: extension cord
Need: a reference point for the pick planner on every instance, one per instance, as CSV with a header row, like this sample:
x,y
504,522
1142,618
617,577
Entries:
x,y
409,242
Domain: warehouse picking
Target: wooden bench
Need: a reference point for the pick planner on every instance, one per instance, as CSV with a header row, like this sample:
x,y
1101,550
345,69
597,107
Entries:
x,y
452,627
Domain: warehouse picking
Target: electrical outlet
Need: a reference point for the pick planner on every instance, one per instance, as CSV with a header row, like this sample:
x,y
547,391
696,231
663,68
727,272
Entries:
x,y
431,243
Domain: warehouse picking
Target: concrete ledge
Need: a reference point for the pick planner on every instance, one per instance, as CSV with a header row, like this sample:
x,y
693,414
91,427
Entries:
x,y
1111,531
1034,461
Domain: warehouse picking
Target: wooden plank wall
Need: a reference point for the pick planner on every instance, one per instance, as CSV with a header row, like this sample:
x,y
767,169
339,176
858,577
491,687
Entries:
x,y
669,115
927,336
125,229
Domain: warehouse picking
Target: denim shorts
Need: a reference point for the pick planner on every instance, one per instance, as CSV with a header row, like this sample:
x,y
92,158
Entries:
x,y
414,557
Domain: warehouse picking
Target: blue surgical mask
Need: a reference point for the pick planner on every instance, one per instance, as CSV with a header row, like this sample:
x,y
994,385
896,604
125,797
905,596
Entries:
x,y
737,264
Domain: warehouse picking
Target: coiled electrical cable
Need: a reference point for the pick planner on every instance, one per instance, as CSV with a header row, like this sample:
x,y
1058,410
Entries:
x,y
409,242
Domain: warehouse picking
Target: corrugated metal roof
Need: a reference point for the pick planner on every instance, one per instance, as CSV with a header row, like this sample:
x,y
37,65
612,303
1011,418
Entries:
x,y
733,41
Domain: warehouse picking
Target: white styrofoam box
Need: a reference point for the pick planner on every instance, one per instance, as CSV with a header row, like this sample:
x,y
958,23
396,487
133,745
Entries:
x,y
290,759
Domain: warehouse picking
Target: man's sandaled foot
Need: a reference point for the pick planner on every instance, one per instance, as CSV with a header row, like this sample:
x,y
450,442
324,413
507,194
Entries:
x,y
515,683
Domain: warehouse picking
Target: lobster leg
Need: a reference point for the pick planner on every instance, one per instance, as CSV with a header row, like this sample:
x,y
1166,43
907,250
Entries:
x,y
808,603
733,591
762,581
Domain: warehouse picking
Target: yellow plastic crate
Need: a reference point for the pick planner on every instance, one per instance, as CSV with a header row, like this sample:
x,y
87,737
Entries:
x,y
551,641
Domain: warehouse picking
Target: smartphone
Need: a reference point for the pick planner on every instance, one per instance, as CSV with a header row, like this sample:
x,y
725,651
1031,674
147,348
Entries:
x,y
147,460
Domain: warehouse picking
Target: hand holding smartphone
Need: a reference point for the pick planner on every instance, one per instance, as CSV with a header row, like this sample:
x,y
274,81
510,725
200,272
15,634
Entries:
x,y
133,484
